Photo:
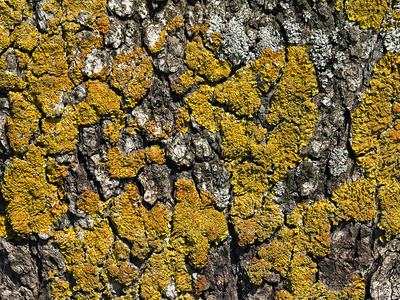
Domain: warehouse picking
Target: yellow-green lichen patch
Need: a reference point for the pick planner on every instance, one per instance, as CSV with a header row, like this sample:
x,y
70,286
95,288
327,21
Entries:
x,y
102,99
268,66
356,201
205,114
49,56
196,223
292,97
375,142
33,203
185,82
25,37
113,128
61,289
23,123
59,134
9,80
127,167
253,220
47,93
203,63
132,74
85,251
4,38
367,13
155,278
240,94
177,22
145,229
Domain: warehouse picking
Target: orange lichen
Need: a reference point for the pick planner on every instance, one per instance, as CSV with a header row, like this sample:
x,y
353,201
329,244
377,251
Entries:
x,y
102,99
91,204
23,123
203,63
132,74
61,289
113,128
181,120
33,202
127,167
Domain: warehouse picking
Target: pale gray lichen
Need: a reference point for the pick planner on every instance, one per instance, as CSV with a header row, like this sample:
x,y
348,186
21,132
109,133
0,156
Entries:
x,y
236,42
391,40
293,31
321,50
338,162
269,38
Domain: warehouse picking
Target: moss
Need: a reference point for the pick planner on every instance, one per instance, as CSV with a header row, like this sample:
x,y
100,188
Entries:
x,y
127,167
33,202
59,134
91,204
202,62
205,114
132,74
368,13
196,223
23,123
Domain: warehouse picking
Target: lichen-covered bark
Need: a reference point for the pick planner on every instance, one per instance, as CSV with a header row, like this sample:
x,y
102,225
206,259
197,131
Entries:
x,y
170,149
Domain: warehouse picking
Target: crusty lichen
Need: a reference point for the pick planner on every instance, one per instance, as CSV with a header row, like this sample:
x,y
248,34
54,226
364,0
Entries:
x,y
196,223
33,201
127,167
23,123
368,13
132,74
375,143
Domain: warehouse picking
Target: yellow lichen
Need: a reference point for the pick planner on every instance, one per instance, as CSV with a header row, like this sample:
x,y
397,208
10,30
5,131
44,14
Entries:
x,y
33,202
181,120
91,204
205,114
356,201
47,93
25,36
127,167
196,223
132,74
145,229
23,123
203,63
59,134
61,289
368,13
240,94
